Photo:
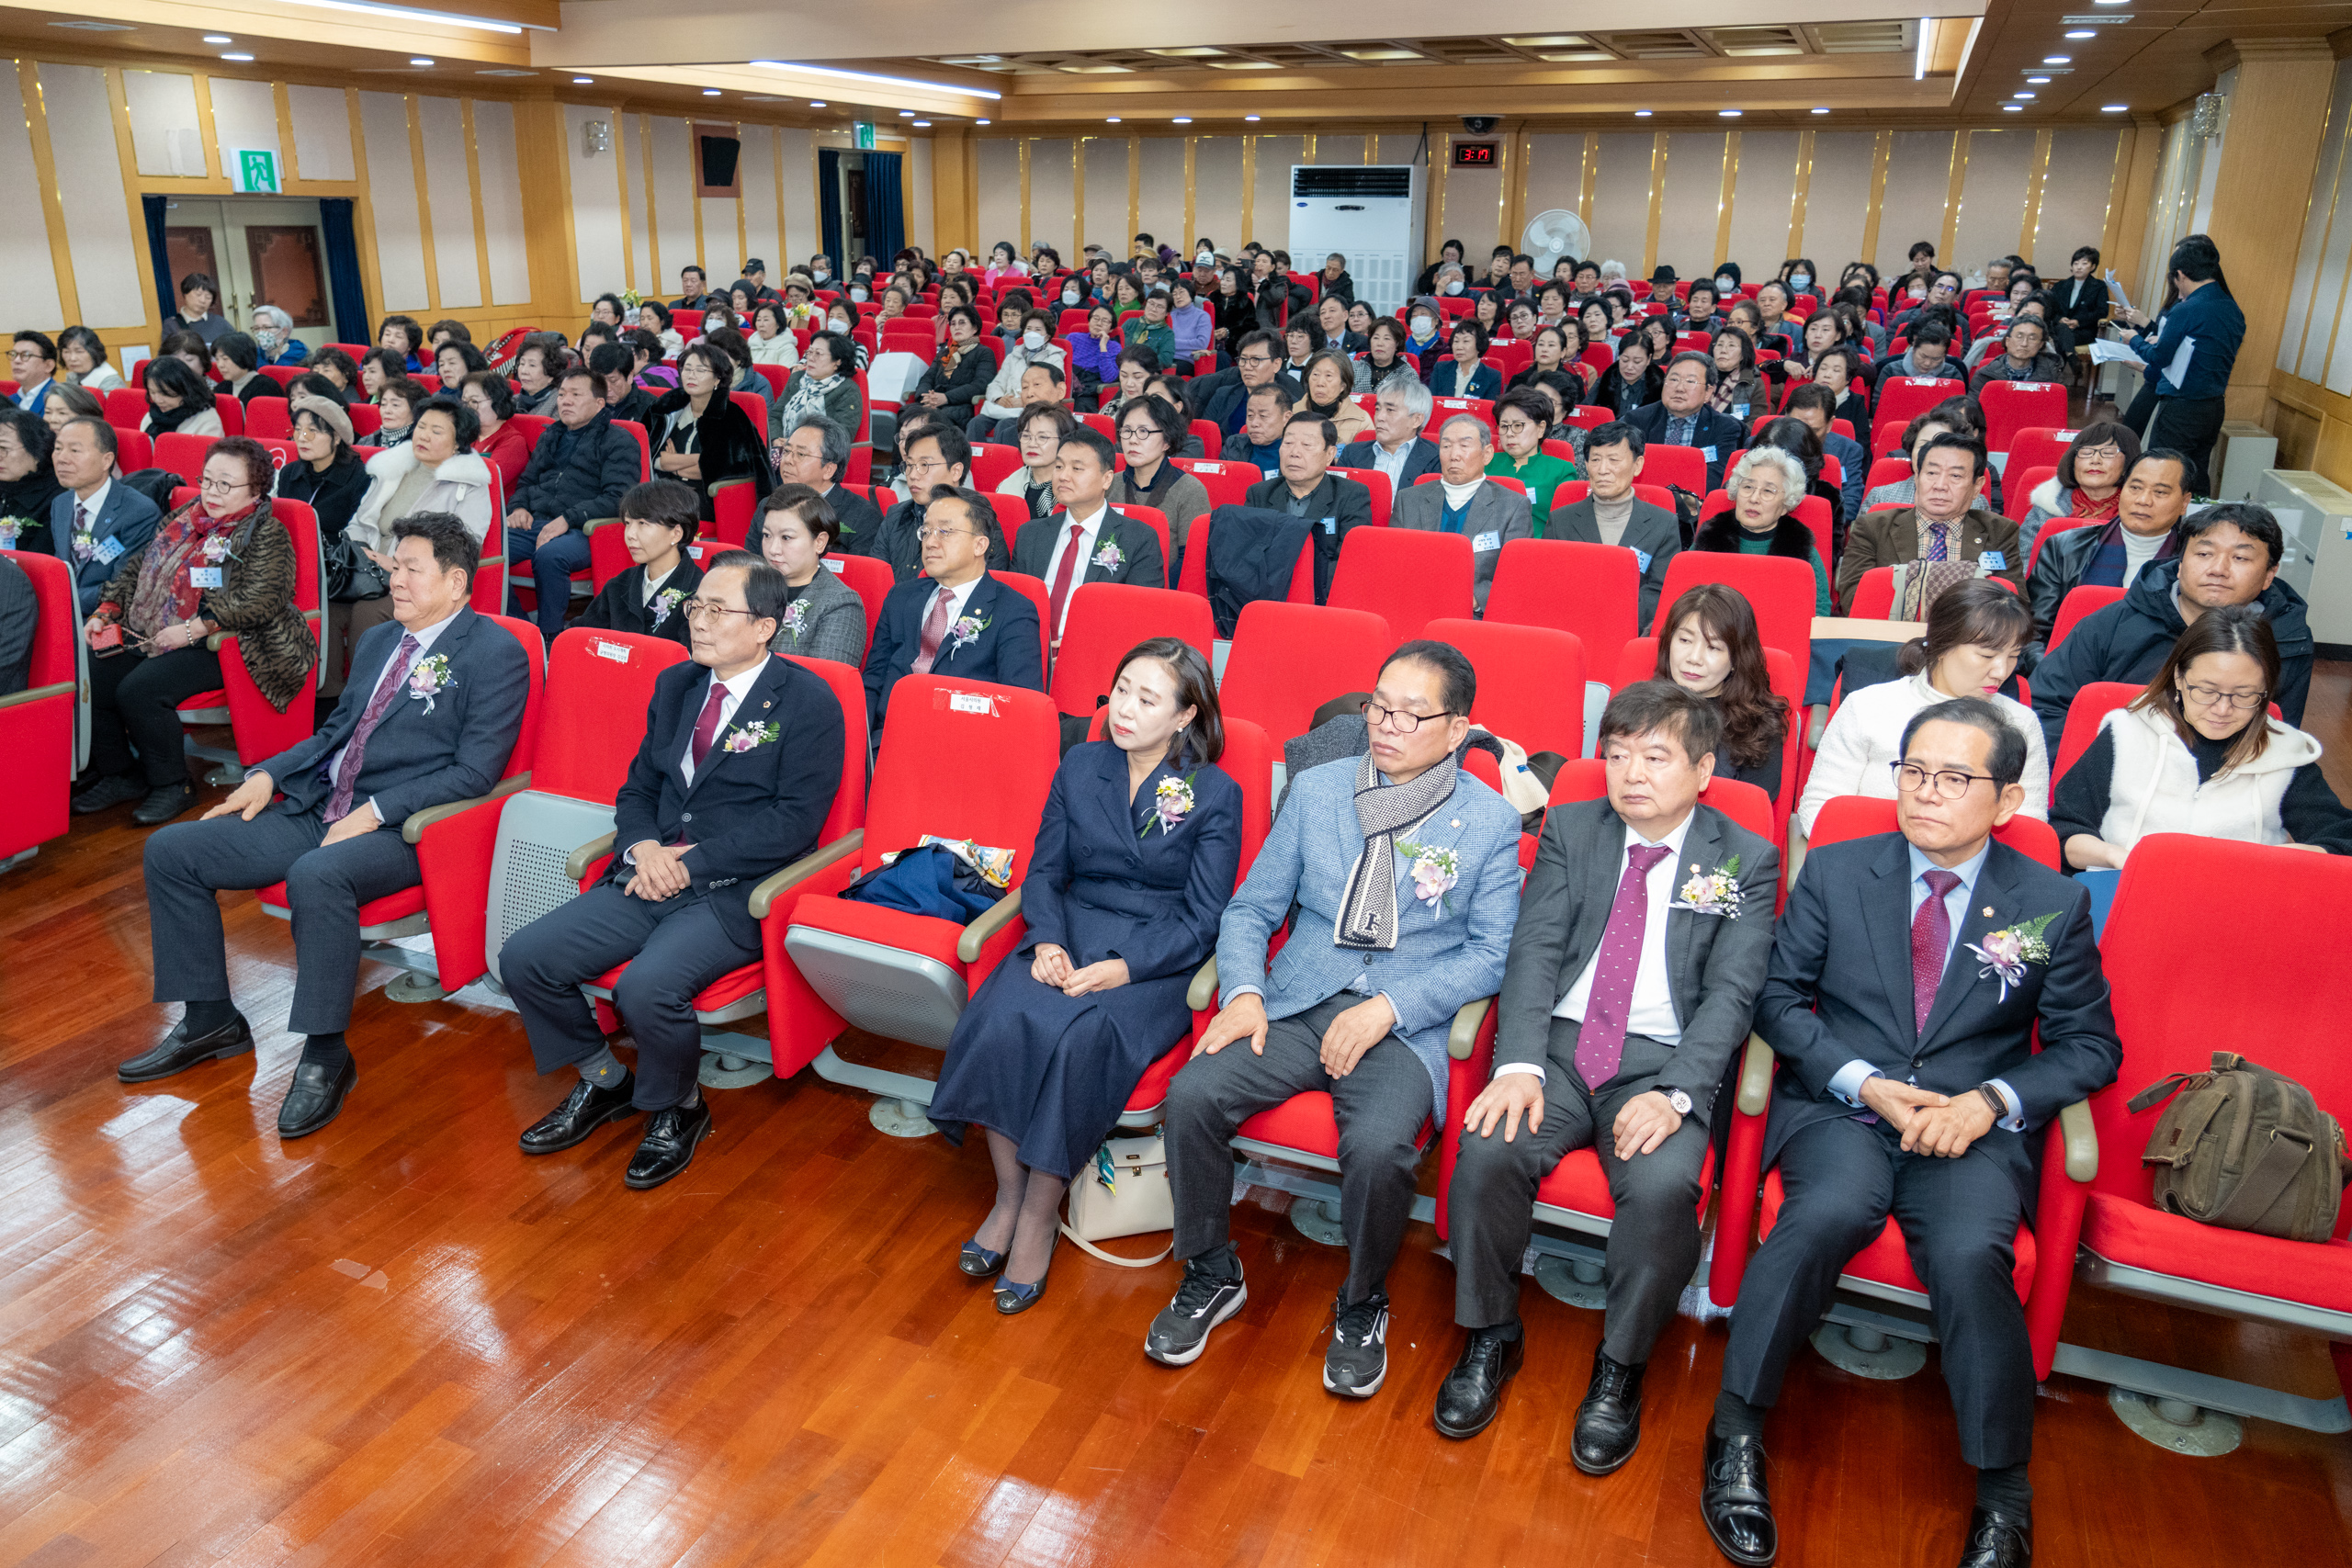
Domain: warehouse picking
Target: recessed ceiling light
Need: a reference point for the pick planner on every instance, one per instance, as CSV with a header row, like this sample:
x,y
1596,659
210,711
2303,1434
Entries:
x,y
2113,108
2022,94
584,81
420,60
1248,116
240,59
1821,111
2038,81
979,122
710,92
906,114
1641,114
2057,60
923,124
1728,114
217,37
816,103
2014,109
1181,119
1112,120
2082,32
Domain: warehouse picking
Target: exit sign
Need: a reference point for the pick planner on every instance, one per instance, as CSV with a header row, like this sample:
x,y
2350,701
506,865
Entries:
x,y
862,133
257,170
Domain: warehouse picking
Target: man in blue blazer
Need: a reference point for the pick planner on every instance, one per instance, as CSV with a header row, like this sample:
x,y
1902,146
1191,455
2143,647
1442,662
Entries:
x,y
95,520
739,766
430,715
1682,418
1909,974
1405,873
956,618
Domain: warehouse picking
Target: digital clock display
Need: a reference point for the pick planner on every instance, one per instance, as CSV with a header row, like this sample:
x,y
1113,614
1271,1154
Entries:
x,y
1474,154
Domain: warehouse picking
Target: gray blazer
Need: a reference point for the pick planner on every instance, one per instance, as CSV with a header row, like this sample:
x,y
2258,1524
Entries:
x,y
832,627
126,521
1714,964
1651,532
1498,515
1443,958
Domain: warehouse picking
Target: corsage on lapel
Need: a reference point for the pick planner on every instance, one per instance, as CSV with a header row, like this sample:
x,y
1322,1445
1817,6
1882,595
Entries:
x,y
746,736
795,620
664,603
1711,892
1434,871
1108,557
1172,803
965,631
2006,952
430,679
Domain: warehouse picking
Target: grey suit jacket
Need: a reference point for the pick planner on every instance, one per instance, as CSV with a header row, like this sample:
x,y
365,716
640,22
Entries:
x,y
1498,515
126,520
1651,532
1714,964
832,626
1444,957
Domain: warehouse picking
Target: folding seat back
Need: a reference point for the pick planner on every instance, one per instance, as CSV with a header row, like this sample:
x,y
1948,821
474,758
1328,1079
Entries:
x,y
1812,511
1592,591
182,454
2049,529
368,419
1376,484
1591,416
1011,514
2077,603
267,418
1780,591
1192,575
2035,445
734,508
2013,407
1530,682
1407,576
2091,704
872,580
133,451
992,463
1105,620
1902,398
1033,589
1875,595
1886,471
43,725
126,407
1152,518
1684,466
1206,432
2017,485
1228,484
1289,660
231,412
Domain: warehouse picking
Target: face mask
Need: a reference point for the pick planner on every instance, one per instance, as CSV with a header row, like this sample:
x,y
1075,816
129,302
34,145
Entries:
x,y
1423,326
1069,296
820,274
1453,286
267,340
1800,279
1033,340
858,294
838,326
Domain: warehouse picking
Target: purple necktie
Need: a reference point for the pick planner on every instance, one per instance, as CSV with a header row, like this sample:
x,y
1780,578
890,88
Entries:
x,y
355,753
1930,946
1600,1042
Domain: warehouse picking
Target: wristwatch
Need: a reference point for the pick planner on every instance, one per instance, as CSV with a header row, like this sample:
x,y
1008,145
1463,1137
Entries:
x,y
1993,1098
1680,1100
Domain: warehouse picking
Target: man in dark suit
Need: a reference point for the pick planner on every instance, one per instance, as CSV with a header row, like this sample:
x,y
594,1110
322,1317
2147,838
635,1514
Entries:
x,y
1223,399
1611,513
1682,418
815,452
1909,976
741,756
1259,441
1397,447
1304,487
1465,501
96,520
1629,988
934,460
1085,541
956,619
429,716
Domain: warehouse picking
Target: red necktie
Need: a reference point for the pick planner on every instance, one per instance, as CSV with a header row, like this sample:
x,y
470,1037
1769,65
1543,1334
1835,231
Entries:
x,y
1600,1040
707,726
934,631
1930,946
1063,574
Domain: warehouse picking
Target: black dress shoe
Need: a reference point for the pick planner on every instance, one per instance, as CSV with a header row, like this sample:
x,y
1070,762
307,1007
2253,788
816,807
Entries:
x,y
1997,1540
1735,1503
177,1052
1608,1422
584,1109
105,793
315,1098
1473,1392
669,1145
161,804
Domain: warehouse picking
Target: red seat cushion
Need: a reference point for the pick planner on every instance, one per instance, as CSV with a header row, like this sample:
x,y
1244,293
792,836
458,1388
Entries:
x,y
1577,1184
212,699
2124,1231
729,989
1306,1122
885,927
381,911
1886,1261
1152,1091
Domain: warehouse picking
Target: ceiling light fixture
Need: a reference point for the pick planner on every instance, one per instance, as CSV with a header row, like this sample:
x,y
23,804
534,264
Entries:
x,y
584,81
1112,120
1641,114
217,37
420,60
1919,61
868,76
2024,95
1821,111
403,13
240,59
2038,81
979,122
923,125
2081,32
2057,60
710,92
816,103
1181,119
1728,114
2014,109
906,114
1248,116
2113,108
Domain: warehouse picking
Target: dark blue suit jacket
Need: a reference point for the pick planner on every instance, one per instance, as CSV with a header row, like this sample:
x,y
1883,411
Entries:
x,y
127,518
1840,989
1006,651
453,750
1719,431
748,813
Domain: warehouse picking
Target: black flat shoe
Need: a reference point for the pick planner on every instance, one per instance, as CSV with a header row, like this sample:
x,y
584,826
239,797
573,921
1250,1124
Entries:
x,y
669,1147
977,1262
1735,1502
315,1098
1608,1422
1012,1300
1997,1540
584,1109
177,1053
1471,1393
108,793
161,804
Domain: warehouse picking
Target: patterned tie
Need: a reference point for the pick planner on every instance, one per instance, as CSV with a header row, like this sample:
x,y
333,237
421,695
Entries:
x,y
1600,1042
1931,945
355,753
707,726
1063,573
81,543
1938,542
934,631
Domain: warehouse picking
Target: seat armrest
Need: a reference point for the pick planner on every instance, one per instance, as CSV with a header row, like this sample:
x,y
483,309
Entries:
x,y
2081,1140
414,825
717,485
1462,1039
1202,992
763,897
575,866
975,935
1796,849
1756,1077
595,523
35,693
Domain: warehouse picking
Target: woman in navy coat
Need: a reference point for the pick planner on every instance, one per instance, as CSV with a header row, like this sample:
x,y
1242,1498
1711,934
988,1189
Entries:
x,y
1135,859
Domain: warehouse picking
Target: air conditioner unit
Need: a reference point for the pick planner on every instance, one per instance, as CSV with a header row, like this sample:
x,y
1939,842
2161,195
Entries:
x,y
2315,514
1370,213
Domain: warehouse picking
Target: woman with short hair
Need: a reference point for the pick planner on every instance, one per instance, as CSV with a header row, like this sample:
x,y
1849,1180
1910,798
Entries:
x,y
1151,431
1765,486
659,519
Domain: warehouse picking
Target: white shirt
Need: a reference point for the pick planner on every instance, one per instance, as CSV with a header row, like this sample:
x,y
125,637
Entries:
x,y
1093,526
425,642
1859,747
737,690
1650,1009
653,584
96,502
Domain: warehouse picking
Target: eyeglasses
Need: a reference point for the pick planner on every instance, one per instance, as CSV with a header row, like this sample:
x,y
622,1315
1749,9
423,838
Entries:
x,y
1515,427
924,536
704,609
222,487
1950,783
1254,359
1757,492
1404,723
2213,696
24,354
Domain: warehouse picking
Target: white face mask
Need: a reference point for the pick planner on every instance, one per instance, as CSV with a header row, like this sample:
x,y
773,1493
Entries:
x,y
1033,340
858,294
1069,296
837,326
1801,279
266,339
1724,284
1453,286
820,274
1423,326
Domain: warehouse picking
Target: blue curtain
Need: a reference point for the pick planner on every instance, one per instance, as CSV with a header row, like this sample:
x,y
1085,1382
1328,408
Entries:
x,y
345,300
886,219
159,253
828,208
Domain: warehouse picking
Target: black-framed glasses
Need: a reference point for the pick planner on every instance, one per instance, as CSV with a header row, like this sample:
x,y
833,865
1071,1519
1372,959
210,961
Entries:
x,y
1405,723
1950,783
2213,696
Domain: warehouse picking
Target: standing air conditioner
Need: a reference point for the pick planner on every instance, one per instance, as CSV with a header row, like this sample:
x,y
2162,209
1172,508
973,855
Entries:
x,y
1370,213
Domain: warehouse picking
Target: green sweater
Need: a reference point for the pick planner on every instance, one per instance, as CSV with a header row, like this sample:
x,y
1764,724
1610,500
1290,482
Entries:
x,y
1542,474
1761,544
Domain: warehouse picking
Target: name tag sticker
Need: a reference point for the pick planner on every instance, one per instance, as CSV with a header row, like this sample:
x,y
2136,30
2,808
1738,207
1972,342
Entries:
x,y
1995,561
1488,541
615,651
1330,525
204,576
832,566
1708,453
968,702
1642,560
108,549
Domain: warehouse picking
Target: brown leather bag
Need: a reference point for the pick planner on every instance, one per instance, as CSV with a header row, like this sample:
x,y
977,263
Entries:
x,y
2247,1149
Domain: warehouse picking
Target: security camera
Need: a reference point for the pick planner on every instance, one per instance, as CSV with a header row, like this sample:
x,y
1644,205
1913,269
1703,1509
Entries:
x,y
1479,124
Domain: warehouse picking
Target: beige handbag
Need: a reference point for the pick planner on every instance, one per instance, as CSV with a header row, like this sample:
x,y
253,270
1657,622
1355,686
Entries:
x,y
1127,1193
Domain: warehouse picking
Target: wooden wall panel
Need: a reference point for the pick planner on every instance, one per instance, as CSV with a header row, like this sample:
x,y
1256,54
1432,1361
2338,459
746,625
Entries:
x,y
1759,213
1692,203
1053,196
1838,197
1620,199
97,215
2078,187
1918,172
2000,168
1270,208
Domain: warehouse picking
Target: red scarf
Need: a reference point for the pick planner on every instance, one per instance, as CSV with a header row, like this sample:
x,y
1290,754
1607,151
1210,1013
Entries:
x,y
2102,509
190,539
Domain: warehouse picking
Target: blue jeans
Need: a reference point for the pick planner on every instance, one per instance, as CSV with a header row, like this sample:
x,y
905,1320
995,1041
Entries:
x,y
550,566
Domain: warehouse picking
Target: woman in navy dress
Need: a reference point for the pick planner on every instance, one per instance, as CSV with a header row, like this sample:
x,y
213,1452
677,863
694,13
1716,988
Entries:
x,y
1136,856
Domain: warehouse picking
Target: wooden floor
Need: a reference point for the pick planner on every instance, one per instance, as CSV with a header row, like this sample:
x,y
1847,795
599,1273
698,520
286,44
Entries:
x,y
400,1342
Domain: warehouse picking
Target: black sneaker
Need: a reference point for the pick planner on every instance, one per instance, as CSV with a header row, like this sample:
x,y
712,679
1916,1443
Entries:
x,y
1180,1332
116,789
1357,1363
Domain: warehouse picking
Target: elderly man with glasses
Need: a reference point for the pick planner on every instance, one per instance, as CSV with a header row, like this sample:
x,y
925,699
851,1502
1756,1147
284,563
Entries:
x,y
753,743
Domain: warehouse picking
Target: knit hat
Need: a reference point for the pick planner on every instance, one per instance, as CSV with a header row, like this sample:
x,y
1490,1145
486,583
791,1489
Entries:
x,y
326,413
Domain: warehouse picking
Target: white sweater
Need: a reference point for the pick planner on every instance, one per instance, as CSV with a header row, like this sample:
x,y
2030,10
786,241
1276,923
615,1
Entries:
x,y
2154,787
1861,747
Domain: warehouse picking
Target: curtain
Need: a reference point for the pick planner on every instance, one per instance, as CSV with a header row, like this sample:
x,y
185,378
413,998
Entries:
x,y
159,253
885,221
347,300
828,208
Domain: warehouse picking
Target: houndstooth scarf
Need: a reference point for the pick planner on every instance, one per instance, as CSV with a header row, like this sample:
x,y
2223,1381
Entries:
x,y
1368,917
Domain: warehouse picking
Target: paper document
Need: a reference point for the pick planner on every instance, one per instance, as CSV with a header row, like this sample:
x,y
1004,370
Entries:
x,y
2178,371
2104,352
2114,288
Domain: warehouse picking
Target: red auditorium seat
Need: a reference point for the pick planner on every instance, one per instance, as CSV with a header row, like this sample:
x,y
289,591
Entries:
x,y
1105,620
1901,398
1590,590
1289,660
1530,682
39,726
1407,576
1780,591
2077,603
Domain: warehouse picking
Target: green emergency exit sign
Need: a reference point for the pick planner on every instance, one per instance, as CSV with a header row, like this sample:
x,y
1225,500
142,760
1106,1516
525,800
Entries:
x,y
863,130
257,170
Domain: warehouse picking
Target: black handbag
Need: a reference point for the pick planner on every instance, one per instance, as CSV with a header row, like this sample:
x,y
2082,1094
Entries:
x,y
351,575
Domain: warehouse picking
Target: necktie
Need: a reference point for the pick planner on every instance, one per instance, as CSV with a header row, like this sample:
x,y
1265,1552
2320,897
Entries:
x,y
1938,542
354,751
82,529
707,726
934,631
1600,1042
1930,941
1063,574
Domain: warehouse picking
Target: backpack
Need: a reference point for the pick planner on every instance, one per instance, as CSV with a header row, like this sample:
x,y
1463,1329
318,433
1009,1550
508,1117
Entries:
x,y
2245,1149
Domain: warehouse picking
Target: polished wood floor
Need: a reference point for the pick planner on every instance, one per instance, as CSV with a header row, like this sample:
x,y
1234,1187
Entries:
x,y
400,1342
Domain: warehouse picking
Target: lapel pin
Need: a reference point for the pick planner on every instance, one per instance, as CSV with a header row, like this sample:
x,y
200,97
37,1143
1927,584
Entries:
x,y
1988,911
1455,823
